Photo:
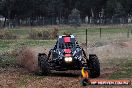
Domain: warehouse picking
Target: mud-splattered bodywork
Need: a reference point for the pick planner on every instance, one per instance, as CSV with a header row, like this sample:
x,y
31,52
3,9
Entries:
x,y
67,54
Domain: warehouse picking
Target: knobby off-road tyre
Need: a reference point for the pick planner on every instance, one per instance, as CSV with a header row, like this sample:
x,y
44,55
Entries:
x,y
94,66
43,65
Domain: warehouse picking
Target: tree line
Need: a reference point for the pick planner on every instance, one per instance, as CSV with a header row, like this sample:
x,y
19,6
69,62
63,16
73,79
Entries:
x,y
19,9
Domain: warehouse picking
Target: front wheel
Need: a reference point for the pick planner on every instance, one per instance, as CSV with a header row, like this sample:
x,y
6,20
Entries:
x,y
94,66
43,65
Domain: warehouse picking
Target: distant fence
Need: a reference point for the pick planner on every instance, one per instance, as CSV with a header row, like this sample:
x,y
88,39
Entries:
x,y
95,36
42,21
101,36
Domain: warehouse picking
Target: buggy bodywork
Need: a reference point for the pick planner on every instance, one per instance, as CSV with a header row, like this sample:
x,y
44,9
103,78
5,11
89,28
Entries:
x,y
68,55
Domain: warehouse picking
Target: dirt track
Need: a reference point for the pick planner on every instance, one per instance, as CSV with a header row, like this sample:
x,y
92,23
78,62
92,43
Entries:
x,y
17,77
20,77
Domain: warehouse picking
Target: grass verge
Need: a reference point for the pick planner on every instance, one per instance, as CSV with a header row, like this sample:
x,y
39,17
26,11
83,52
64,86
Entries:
x,y
124,71
7,61
9,45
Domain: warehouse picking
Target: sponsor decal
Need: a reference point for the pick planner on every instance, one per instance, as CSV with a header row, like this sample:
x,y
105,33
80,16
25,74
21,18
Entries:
x,y
109,82
67,50
67,39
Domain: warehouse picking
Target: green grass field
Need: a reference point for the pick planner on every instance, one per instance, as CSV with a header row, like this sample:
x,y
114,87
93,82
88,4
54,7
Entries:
x,y
108,35
124,70
10,45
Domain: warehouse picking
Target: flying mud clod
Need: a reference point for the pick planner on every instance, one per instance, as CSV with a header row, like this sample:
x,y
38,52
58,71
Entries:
x,y
28,57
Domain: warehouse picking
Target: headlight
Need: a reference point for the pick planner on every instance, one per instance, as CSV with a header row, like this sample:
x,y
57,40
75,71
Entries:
x,y
68,59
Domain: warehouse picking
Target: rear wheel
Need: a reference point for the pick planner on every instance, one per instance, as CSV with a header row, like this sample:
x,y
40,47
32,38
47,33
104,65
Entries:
x,y
43,65
94,66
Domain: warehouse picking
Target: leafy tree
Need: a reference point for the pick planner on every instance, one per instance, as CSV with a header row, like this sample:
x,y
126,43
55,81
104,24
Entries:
x,y
74,17
52,9
116,8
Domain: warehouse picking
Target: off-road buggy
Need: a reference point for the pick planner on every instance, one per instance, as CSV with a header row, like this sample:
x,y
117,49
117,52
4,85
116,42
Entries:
x,y
68,55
